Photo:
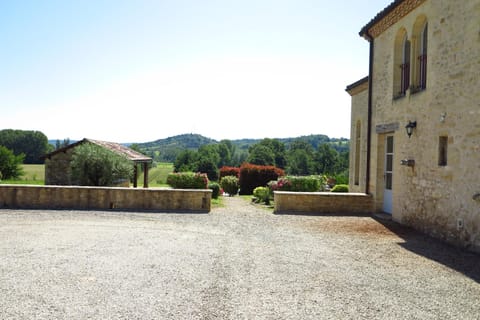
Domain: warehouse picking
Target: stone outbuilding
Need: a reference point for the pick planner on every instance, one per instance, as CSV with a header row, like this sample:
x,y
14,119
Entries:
x,y
58,169
415,124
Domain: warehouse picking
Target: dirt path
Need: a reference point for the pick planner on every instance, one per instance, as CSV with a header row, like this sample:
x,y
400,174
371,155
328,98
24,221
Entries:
x,y
238,262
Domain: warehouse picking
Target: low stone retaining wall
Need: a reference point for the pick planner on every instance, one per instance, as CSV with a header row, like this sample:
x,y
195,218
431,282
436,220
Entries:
x,y
322,203
102,198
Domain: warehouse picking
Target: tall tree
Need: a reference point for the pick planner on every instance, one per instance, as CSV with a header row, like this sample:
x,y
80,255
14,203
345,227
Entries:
x,y
33,144
326,159
268,152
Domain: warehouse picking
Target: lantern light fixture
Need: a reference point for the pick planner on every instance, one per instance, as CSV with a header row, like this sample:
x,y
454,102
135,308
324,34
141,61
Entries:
x,y
409,127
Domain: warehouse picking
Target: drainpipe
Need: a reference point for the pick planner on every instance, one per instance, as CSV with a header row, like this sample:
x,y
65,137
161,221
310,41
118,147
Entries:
x,y
369,110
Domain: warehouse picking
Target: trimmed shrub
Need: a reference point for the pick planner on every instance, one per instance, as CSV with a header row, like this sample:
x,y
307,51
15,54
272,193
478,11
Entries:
x,y
229,185
298,184
10,164
229,171
252,176
215,187
187,180
340,188
262,194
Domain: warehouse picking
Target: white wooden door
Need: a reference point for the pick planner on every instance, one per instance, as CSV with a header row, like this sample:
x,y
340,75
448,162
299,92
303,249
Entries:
x,y
388,175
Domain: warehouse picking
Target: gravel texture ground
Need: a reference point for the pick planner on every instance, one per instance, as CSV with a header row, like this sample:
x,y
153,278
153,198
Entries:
x,y
237,262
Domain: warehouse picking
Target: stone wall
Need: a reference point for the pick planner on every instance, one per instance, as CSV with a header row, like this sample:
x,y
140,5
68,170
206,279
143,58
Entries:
x,y
57,168
102,198
322,203
440,200
358,126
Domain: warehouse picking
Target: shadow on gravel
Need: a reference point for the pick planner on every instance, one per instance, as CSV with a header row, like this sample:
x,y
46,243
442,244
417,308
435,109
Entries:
x,y
458,259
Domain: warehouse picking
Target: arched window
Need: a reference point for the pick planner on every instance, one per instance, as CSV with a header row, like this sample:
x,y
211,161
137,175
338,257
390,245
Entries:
x,y
420,41
401,74
423,58
405,66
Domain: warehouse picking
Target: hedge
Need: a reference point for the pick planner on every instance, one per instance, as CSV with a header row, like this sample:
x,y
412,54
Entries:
x,y
229,171
252,176
311,183
187,180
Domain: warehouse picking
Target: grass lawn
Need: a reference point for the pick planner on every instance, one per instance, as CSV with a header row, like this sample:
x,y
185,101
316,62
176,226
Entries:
x,y
157,177
33,174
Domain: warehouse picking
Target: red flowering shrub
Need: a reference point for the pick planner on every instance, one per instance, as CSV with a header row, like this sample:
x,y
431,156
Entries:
x,y
252,176
229,171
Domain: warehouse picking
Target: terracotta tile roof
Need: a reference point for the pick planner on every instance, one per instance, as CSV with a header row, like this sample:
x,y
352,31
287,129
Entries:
x,y
122,150
388,16
380,16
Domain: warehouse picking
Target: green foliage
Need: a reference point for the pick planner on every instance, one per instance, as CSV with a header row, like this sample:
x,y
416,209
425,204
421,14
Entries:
x,y
268,152
157,175
215,187
187,180
252,176
326,159
342,177
33,144
10,164
311,183
300,158
261,155
230,185
340,188
262,194
93,165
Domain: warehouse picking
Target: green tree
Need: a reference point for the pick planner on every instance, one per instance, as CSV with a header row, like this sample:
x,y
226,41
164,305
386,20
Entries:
x,y
10,164
226,150
185,161
93,165
261,155
326,159
33,144
300,158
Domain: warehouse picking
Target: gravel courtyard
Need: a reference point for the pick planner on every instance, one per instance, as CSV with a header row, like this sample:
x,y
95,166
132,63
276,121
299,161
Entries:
x,y
237,262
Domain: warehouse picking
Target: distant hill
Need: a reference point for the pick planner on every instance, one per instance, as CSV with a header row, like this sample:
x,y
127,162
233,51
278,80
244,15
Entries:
x,y
166,150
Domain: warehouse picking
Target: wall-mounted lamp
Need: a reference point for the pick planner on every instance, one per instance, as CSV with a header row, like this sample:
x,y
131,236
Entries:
x,y
409,127
407,162
443,116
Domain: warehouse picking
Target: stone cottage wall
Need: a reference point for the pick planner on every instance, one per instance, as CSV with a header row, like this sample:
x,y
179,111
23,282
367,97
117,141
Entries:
x,y
57,168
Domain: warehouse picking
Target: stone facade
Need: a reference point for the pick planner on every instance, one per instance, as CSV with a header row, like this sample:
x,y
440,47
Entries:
x,y
58,170
438,190
322,203
102,198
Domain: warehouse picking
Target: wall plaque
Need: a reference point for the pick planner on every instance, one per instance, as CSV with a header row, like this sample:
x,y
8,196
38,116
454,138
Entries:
x,y
387,127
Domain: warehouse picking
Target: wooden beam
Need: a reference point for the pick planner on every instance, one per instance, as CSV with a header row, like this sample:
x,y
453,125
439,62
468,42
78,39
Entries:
x,y
145,174
135,174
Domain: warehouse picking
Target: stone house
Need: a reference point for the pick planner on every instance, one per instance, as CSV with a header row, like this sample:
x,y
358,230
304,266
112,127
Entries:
x,y
57,163
415,119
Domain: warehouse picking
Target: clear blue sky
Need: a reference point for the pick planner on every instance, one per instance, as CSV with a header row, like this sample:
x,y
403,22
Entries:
x,y
137,71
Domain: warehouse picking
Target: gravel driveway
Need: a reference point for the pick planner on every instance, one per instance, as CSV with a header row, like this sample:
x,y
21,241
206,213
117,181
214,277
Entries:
x,y
237,262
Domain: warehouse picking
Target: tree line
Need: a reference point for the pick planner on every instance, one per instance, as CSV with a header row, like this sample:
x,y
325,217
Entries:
x,y
299,158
